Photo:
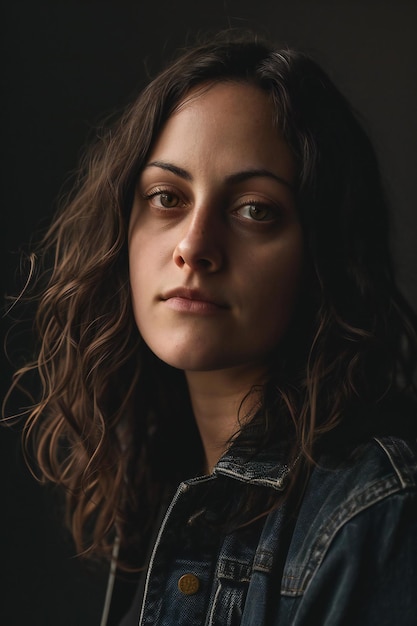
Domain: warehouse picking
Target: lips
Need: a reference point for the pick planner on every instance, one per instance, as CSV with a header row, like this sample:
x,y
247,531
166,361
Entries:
x,y
185,298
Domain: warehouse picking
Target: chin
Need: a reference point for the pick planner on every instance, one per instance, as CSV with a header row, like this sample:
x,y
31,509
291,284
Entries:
x,y
191,359
193,363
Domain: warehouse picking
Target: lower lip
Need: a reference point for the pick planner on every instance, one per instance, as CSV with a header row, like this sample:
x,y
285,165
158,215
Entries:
x,y
186,305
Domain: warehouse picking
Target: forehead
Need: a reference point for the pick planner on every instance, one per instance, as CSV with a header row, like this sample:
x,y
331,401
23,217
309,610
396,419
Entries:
x,y
224,90
236,99
227,123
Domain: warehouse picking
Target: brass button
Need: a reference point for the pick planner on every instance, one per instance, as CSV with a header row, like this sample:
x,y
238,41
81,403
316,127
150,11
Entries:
x,y
188,584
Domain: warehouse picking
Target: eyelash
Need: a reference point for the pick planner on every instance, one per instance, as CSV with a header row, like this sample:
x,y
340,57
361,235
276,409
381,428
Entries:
x,y
271,208
160,191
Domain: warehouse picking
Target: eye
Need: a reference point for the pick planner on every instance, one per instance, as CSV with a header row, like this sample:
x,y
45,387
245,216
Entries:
x,y
163,198
256,211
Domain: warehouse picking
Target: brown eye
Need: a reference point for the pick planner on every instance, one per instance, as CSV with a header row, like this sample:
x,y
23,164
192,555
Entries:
x,y
168,200
163,199
258,212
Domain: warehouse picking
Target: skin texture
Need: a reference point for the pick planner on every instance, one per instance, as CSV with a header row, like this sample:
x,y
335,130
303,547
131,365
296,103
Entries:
x,y
215,246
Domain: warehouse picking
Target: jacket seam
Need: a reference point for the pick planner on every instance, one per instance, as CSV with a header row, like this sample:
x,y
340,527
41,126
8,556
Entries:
x,y
328,531
392,450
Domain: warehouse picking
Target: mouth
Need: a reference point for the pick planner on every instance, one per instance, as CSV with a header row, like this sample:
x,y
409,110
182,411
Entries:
x,y
193,300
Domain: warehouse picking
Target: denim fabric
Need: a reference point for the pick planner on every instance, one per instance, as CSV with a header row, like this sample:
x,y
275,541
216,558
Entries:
x,y
350,558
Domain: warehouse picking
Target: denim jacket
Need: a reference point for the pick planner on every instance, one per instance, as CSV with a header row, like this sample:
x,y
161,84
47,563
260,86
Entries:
x,y
349,557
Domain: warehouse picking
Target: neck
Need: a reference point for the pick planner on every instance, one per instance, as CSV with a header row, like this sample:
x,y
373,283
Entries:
x,y
221,404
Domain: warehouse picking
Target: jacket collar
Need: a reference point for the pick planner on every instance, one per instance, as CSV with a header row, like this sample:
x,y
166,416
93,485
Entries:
x,y
269,468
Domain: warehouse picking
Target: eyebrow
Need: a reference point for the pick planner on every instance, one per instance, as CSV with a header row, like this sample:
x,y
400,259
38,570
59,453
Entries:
x,y
169,167
237,177
255,173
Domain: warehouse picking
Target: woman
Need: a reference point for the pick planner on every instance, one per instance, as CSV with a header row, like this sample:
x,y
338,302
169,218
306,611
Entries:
x,y
225,359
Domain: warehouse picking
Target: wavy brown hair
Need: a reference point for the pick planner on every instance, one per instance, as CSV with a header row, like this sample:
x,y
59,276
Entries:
x,y
109,420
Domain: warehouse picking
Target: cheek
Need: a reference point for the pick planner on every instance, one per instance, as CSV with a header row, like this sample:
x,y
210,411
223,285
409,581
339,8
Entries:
x,y
276,288
138,275
149,257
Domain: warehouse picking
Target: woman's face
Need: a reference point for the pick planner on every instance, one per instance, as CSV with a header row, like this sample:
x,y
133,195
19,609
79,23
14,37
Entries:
x,y
215,243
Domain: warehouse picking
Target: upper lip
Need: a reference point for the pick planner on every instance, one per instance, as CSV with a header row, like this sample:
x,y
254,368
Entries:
x,y
193,294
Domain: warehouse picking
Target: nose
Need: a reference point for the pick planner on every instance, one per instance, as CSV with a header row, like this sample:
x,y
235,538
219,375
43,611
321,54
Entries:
x,y
200,247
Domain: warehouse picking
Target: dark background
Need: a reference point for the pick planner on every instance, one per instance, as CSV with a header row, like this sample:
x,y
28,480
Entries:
x,y
66,65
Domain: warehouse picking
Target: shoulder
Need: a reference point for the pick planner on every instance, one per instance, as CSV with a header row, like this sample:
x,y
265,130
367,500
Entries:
x,y
352,502
394,459
343,485
367,473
